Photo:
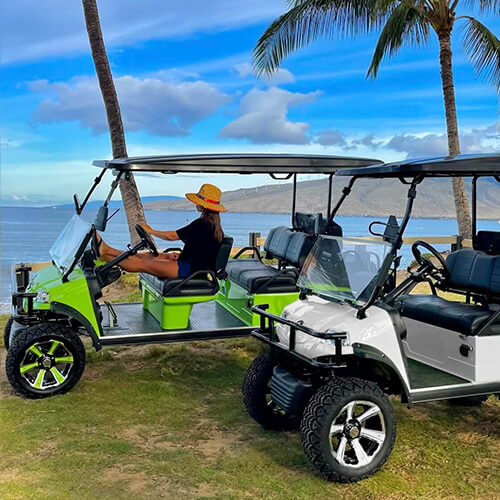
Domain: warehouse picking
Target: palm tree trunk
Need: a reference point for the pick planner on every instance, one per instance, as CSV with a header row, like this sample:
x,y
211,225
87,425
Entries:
x,y
128,188
459,192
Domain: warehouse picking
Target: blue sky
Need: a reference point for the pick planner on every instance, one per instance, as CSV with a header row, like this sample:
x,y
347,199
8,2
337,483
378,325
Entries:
x,y
185,84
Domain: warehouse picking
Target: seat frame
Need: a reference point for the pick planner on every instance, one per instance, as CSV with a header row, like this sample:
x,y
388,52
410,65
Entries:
x,y
172,310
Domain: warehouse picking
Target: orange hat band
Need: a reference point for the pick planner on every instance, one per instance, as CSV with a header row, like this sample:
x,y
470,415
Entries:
x,y
208,200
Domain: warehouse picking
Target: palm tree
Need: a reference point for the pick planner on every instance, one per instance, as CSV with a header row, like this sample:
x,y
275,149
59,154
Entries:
x,y
403,22
128,188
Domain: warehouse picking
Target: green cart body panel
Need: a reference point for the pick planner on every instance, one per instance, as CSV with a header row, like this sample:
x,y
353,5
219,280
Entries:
x,y
171,312
74,293
239,301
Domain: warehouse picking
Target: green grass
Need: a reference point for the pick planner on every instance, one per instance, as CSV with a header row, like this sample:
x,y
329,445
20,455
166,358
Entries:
x,y
168,421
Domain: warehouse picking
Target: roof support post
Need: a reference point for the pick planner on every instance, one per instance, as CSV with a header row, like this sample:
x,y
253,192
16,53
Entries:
x,y
294,199
329,207
474,210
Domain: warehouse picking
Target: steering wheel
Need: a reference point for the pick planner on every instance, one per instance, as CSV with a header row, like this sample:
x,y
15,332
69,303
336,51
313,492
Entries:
x,y
440,273
146,239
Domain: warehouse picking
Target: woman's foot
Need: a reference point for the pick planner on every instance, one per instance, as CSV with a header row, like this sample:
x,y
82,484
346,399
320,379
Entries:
x,y
101,247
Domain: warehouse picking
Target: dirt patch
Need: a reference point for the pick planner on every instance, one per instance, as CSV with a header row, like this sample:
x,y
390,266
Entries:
x,y
204,490
135,482
120,290
142,436
213,446
218,443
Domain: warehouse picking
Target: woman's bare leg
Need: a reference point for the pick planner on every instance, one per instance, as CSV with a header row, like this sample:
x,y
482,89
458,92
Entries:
x,y
108,252
147,263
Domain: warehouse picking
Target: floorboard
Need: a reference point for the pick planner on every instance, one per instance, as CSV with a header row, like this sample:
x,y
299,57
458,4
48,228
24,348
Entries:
x,y
422,376
133,319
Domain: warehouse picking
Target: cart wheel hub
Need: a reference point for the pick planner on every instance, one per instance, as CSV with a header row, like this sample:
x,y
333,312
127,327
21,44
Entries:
x,y
352,430
46,362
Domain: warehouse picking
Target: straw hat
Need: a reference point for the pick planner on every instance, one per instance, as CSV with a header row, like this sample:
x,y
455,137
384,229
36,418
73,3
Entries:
x,y
208,197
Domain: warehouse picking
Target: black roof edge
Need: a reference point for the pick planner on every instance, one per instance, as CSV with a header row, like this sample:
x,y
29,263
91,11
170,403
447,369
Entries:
x,y
238,163
443,166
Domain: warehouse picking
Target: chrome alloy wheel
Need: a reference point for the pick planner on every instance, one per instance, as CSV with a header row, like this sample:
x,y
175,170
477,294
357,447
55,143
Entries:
x,y
46,364
357,434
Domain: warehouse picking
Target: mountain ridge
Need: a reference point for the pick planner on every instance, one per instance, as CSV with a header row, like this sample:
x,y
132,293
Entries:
x,y
372,197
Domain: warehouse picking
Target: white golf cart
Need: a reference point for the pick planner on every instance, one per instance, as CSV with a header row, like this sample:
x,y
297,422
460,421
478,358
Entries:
x,y
354,336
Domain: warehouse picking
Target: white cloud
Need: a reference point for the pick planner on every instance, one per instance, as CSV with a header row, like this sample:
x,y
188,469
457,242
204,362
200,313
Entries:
x,y
150,104
331,138
244,69
478,140
5,142
280,76
263,117
33,30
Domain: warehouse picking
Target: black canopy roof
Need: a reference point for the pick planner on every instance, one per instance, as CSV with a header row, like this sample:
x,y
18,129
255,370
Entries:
x,y
443,166
238,163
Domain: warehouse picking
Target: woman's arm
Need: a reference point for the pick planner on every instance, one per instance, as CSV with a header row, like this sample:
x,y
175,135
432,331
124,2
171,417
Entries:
x,y
163,235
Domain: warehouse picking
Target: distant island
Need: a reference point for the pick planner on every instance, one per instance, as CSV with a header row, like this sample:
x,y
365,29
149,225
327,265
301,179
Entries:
x,y
369,197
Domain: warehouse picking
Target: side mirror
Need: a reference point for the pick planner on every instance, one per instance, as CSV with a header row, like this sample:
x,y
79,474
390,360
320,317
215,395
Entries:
x,y
101,218
78,208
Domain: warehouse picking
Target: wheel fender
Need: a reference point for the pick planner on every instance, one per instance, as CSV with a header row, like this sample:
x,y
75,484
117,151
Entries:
x,y
370,352
70,312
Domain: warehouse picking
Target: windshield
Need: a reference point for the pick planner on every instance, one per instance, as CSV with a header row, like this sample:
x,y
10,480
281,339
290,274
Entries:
x,y
343,268
69,242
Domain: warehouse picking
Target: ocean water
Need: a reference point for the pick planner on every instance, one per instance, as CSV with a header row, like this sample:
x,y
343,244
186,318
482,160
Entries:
x,y
26,234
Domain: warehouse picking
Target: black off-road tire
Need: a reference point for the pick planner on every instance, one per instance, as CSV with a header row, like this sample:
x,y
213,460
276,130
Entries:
x,y
6,333
469,400
322,410
255,390
36,334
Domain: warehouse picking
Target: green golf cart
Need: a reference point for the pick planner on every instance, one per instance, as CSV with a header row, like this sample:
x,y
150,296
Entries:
x,y
54,304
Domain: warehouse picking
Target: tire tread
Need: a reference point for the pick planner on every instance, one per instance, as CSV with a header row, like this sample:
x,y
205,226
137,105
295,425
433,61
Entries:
x,y
318,409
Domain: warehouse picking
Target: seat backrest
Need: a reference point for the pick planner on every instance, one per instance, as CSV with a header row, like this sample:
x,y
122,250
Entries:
x,y
223,256
474,271
308,223
291,247
298,249
277,242
316,224
488,241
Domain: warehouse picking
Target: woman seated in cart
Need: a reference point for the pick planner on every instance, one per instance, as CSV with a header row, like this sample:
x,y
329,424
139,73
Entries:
x,y
202,239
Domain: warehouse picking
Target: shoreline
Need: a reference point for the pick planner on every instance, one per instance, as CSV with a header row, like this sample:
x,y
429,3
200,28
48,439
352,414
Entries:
x,y
425,217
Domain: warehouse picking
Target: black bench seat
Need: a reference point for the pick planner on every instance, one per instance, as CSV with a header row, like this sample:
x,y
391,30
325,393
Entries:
x,y
289,247
458,316
470,271
255,276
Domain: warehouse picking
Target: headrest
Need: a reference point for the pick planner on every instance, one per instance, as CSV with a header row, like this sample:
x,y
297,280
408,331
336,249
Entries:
x,y
488,241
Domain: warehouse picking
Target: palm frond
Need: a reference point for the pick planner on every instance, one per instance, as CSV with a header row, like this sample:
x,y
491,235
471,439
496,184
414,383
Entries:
x,y
404,25
306,21
486,6
483,49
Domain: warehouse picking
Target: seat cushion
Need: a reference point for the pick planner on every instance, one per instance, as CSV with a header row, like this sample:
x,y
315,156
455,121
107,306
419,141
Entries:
x,y
258,280
457,316
235,267
194,287
253,275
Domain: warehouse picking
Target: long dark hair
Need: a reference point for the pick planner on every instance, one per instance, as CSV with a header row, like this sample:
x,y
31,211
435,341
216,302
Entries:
x,y
214,219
